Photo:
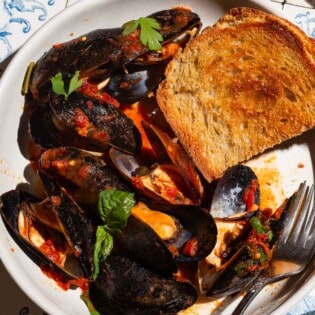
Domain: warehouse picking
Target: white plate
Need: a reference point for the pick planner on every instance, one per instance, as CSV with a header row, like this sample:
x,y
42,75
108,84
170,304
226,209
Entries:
x,y
74,21
20,19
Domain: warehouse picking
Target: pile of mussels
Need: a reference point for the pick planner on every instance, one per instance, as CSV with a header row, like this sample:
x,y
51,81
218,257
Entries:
x,y
170,250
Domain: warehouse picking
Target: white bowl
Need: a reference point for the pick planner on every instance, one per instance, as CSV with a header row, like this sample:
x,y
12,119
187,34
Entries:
x,y
74,21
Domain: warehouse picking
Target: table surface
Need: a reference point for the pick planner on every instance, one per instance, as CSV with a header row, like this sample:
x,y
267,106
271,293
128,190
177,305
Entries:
x,y
12,300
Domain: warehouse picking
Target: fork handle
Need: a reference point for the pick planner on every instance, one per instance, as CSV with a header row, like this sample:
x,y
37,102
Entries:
x,y
252,292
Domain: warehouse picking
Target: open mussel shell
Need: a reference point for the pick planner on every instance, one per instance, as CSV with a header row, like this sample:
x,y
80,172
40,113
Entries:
x,y
11,205
77,228
125,287
232,281
197,234
163,182
228,198
229,281
170,150
134,84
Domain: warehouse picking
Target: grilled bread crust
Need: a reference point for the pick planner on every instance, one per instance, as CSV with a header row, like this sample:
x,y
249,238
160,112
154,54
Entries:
x,y
242,86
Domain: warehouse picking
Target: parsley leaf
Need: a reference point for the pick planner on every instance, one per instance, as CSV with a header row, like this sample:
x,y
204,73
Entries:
x,y
149,35
257,225
58,85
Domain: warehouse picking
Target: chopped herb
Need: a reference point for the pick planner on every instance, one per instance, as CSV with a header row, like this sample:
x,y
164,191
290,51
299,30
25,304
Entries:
x,y
256,224
149,35
114,207
58,85
242,268
262,256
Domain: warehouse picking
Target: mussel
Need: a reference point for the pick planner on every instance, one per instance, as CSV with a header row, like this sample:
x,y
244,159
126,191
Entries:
x,y
190,235
254,254
237,191
235,200
54,232
83,174
171,177
103,53
125,287
85,123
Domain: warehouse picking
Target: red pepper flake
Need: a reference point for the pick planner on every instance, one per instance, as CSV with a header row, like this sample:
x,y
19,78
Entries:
x,y
55,200
191,247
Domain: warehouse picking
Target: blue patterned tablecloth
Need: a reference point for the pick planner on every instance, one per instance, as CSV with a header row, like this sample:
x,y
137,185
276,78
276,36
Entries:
x,y
14,18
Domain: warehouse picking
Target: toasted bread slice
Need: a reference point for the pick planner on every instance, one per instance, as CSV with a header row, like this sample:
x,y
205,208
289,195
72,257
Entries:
x,y
240,87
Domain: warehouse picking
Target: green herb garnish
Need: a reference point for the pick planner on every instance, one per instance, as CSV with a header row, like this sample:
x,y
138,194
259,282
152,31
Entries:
x,y
149,35
102,248
58,85
86,299
256,224
262,256
242,268
114,207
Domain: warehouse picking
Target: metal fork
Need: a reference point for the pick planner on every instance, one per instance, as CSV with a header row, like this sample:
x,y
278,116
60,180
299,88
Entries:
x,y
294,249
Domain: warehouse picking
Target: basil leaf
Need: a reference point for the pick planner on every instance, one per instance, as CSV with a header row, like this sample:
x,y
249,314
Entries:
x,y
102,248
114,208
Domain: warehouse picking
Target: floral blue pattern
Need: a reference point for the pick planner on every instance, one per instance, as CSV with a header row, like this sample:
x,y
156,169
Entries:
x,y
306,21
19,15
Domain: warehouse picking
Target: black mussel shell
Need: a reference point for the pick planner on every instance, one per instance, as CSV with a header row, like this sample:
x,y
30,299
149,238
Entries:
x,y
134,85
10,207
125,287
228,195
231,281
143,245
83,174
197,225
100,123
77,228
